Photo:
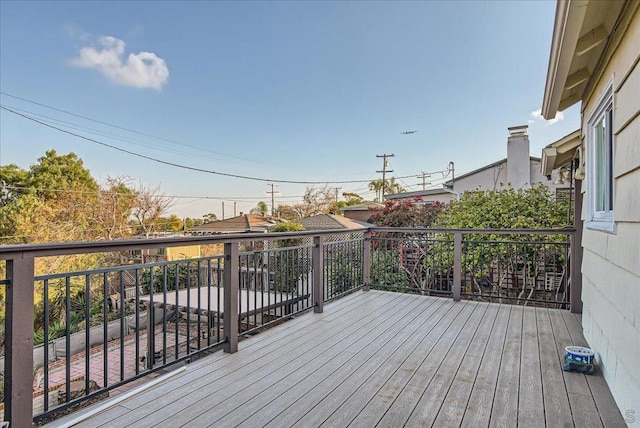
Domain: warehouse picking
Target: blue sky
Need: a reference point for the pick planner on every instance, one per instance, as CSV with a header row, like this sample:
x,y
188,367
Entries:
x,y
300,91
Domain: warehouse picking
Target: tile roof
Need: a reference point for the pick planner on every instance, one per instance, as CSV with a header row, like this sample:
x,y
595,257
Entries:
x,y
364,206
330,221
240,224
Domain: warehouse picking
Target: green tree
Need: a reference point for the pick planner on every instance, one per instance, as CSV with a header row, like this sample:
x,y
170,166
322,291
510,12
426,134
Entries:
x,y
209,218
13,181
54,174
191,222
531,208
52,203
385,187
509,208
261,208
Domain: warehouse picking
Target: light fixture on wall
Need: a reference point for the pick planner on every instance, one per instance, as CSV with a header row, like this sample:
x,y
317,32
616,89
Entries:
x,y
563,176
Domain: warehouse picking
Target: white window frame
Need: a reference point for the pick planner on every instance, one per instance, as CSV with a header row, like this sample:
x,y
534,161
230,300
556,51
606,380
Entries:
x,y
597,218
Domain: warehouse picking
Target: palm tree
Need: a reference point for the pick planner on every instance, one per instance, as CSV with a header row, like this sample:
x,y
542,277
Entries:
x,y
260,208
385,187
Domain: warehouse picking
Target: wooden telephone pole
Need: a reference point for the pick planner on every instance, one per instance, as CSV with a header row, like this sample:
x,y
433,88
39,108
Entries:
x,y
385,165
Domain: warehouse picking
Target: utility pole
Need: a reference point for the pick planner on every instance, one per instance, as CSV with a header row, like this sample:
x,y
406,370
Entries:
x,y
337,189
424,176
385,164
235,205
223,210
272,192
452,169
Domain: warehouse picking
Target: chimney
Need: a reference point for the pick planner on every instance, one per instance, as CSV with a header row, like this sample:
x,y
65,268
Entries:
x,y
518,163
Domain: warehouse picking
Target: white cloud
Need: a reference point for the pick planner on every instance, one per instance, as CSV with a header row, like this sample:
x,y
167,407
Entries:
x,y
141,70
538,115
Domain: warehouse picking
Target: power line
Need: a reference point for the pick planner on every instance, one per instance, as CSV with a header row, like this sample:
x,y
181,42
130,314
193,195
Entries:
x,y
103,192
177,165
118,127
93,131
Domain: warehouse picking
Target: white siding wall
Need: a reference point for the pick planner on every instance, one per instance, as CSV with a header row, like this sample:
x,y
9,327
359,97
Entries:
x,y
496,178
611,264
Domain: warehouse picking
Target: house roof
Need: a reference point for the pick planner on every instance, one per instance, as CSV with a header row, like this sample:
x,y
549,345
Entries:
x,y
449,183
581,33
364,206
240,224
419,193
560,153
330,221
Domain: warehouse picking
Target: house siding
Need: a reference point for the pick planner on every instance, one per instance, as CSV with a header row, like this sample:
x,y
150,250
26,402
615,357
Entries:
x,y
488,179
611,262
496,178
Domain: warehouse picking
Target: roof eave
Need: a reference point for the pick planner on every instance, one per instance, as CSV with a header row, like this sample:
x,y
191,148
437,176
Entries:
x,y
560,153
566,31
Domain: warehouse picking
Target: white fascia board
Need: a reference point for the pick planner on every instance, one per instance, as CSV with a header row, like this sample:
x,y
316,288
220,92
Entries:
x,y
548,161
566,31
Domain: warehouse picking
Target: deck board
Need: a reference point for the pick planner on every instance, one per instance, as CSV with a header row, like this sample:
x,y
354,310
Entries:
x,y
402,408
426,411
454,405
504,411
210,390
385,359
478,411
556,401
531,402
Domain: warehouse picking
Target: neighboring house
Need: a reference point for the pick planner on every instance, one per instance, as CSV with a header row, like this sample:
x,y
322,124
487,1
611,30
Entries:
x,y
244,223
331,221
170,253
425,197
362,211
594,61
519,169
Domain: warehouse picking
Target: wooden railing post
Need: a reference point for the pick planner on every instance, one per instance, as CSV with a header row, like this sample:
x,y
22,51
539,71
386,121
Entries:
x,y
366,263
317,261
18,374
575,254
457,266
230,315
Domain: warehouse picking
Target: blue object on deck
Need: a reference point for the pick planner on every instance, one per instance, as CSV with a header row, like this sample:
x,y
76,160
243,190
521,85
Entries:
x,y
579,359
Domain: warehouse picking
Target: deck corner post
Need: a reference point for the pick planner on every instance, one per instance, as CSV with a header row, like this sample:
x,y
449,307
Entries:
x,y
231,303
18,388
575,254
457,266
318,274
366,265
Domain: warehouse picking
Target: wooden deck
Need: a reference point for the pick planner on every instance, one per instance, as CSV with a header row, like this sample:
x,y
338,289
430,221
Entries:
x,y
386,359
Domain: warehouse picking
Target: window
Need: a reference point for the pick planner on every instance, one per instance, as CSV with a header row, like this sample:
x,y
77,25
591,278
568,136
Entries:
x,y
600,164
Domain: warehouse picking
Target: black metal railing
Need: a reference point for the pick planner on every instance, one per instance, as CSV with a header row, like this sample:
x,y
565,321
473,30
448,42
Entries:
x,y
98,329
528,267
343,266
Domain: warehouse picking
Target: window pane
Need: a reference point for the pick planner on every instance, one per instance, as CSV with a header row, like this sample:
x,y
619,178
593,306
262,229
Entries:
x,y
609,149
600,179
